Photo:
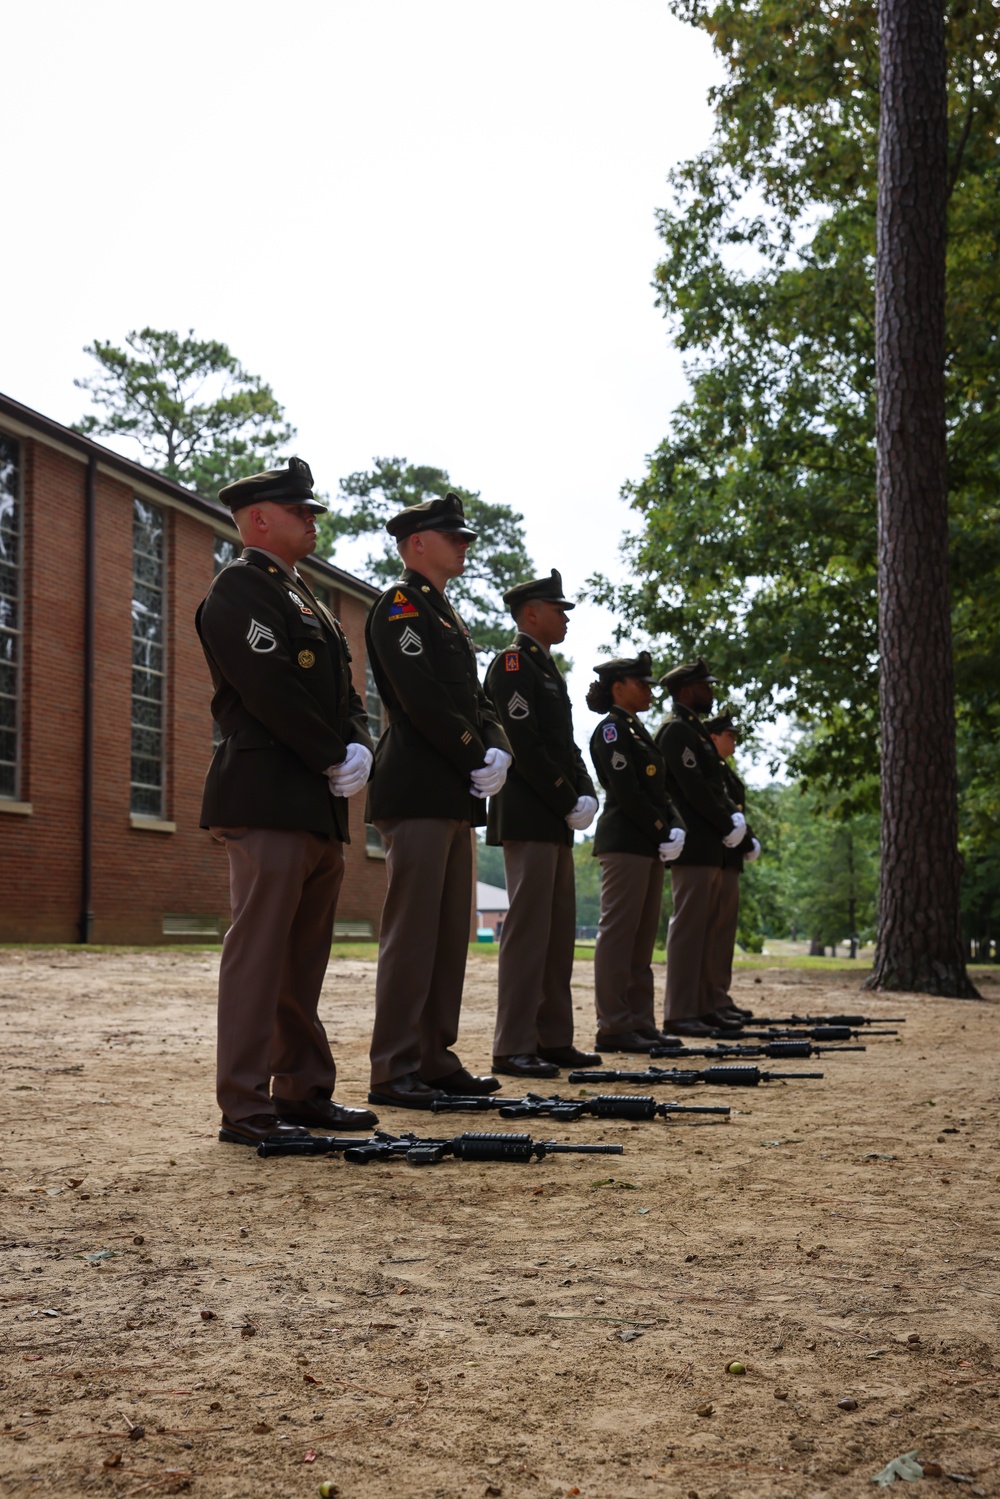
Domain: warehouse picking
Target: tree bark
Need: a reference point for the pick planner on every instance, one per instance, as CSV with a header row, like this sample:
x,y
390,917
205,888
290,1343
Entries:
x,y
919,943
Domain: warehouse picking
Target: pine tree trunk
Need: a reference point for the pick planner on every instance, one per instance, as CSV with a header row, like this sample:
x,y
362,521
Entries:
x,y
919,943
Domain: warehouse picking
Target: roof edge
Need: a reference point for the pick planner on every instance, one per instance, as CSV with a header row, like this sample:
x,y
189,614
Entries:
x,y
171,491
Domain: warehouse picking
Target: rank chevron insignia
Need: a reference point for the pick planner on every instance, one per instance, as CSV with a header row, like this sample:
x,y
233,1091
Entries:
x,y
410,643
260,638
517,706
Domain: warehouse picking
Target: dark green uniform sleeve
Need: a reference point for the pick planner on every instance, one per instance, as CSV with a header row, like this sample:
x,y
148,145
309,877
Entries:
x,y
680,748
244,623
519,701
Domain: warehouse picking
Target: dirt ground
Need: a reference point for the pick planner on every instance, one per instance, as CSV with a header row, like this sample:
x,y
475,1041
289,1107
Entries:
x,y
180,1315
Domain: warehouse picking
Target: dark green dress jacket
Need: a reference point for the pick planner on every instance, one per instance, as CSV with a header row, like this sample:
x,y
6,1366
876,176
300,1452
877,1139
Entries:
x,y
284,702
696,783
732,858
549,776
638,813
440,722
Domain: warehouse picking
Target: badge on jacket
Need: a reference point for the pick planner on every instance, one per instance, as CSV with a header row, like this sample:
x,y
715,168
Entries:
x,y
410,642
618,761
517,706
610,733
689,759
512,661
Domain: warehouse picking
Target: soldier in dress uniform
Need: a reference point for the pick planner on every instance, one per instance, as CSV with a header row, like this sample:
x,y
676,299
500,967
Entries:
x,y
294,747
714,823
639,831
725,735
547,795
442,753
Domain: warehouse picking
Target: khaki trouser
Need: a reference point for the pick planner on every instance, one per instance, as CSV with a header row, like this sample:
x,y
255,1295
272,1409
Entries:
x,y
423,946
283,889
631,899
535,996
722,939
697,891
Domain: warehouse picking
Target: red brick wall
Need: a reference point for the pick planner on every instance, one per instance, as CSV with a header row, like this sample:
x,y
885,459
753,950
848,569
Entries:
x,y
139,875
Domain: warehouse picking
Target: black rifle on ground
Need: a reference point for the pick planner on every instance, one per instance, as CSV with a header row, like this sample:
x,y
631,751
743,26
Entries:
x,y
733,1077
485,1147
751,1033
603,1106
721,1053
424,1152
849,1020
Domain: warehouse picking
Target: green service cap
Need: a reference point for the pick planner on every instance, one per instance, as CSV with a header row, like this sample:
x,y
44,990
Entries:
x,y
443,513
291,485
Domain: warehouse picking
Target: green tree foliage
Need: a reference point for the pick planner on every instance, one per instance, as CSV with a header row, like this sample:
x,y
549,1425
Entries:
x,y
587,871
197,415
489,863
757,543
497,559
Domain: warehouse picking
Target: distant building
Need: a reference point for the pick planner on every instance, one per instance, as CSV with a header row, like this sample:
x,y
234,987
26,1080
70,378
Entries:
x,y
105,725
492,905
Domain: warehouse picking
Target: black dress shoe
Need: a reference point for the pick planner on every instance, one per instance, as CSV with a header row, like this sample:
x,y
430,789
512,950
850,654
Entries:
x,y
260,1127
407,1092
323,1113
464,1085
723,1019
691,1027
731,1004
623,1041
525,1064
570,1056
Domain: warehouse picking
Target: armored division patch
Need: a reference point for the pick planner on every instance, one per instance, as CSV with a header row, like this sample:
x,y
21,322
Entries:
x,y
260,638
402,607
306,659
517,706
610,733
512,661
410,642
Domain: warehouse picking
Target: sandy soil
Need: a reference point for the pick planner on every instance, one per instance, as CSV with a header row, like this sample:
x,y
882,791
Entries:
x,y
179,1315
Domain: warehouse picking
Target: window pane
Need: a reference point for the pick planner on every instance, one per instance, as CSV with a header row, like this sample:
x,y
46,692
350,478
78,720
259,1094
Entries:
x,y
147,658
10,615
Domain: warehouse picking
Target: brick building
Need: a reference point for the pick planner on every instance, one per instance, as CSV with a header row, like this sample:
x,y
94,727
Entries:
x,y
105,726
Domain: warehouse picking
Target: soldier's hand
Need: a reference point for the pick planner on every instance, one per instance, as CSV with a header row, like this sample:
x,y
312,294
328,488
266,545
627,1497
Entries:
x,y
675,842
738,831
583,814
753,854
489,778
352,772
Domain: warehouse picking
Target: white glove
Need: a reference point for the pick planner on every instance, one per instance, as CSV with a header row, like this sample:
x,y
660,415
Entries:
x,y
352,772
754,853
583,814
675,842
738,831
489,778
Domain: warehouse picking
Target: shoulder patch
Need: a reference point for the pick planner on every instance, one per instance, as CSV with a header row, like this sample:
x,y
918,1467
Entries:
x,y
511,661
402,607
610,733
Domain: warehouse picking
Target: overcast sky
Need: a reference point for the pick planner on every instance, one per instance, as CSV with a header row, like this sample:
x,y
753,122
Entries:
x,y
429,224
